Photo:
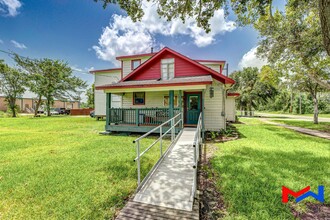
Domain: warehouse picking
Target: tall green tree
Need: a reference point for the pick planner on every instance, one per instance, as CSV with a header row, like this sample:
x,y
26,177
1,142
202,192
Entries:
x,y
253,91
12,83
292,43
295,36
247,11
90,93
52,79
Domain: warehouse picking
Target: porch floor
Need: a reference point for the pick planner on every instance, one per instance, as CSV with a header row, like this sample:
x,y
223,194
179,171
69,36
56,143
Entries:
x,y
171,183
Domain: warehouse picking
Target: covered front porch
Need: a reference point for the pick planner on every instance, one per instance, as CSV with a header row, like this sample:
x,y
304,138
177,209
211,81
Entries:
x,y
157,107
145,104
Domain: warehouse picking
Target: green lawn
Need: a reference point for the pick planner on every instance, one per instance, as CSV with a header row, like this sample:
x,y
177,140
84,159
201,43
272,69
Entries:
x,y
61,168
253,169
322,126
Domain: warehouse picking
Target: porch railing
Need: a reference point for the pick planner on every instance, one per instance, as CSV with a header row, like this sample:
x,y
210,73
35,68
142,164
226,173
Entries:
x,y
174,122
197,144
140,116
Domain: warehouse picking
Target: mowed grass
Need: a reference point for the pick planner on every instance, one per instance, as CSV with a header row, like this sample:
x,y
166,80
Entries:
x,y
61,168
288,114
321,126
253,169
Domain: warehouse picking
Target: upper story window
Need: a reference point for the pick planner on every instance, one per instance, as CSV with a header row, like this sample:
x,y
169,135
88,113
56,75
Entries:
x,y
167,68
135,64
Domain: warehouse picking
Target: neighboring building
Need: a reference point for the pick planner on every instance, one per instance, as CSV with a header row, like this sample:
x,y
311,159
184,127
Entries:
x,y
27,104
149,89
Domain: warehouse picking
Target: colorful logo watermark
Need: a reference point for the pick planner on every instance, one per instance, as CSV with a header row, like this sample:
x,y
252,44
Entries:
x,y
302,194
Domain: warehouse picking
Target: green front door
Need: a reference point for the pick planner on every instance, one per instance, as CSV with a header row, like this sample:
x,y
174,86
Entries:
x,y
193,108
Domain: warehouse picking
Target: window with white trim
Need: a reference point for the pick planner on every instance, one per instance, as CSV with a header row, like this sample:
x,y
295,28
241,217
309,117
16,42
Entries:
x,y
135,64
167,70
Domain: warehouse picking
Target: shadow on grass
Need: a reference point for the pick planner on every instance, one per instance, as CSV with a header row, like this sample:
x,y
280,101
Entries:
x,y
251,179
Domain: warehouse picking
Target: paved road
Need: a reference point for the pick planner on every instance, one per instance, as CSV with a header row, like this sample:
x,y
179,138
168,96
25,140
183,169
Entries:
x,y
291,117
311,132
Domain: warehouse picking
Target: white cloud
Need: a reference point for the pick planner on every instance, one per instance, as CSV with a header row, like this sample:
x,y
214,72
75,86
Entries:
x,y
10,7
250,59
1,41
123,36
18,45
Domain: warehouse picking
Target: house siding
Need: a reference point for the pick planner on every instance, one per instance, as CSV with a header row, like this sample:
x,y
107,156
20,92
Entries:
x,y
100,97
230,108
182,68
152,100
215,67
213,120
126,64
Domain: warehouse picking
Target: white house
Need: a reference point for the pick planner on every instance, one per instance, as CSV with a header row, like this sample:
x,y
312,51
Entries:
x,y
151,88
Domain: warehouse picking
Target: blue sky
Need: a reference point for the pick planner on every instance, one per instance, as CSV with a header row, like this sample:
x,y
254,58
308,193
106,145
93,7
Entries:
x,y
85,35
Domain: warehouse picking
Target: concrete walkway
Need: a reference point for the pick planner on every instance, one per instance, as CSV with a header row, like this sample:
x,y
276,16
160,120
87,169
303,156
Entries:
x,y
171,184
315,133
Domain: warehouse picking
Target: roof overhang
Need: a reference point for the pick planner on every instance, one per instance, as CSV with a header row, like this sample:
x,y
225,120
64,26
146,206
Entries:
x,y
233,94
156,89
197,82
105,70
135,56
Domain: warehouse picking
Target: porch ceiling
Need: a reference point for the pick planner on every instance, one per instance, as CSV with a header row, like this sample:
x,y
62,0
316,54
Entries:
x,y
183,83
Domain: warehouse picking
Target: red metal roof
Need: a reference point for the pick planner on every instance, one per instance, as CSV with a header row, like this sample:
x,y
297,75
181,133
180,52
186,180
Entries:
x,y
214,74
195,80
105,70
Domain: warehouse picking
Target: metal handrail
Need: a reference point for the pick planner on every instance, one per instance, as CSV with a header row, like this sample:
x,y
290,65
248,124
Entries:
x,y
197,142
160,139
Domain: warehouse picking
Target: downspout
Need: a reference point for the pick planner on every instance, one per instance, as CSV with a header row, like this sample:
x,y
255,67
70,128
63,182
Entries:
x,y
223,113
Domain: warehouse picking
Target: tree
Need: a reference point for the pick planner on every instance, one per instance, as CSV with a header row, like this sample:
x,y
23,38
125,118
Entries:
x,y
52,79
292,43
247,11
90,93
324,13
253,91
12,83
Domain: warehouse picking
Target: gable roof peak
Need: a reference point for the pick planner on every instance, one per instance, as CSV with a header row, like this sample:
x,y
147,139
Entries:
x,y
213,73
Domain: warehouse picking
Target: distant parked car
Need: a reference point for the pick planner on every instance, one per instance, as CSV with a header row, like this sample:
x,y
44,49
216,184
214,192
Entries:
x,y
61,111
52,112
92,114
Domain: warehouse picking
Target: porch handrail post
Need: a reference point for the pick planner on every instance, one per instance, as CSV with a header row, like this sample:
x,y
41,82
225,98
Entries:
x,y
137,118
161,140
172,127
171,104
138,161
108,110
